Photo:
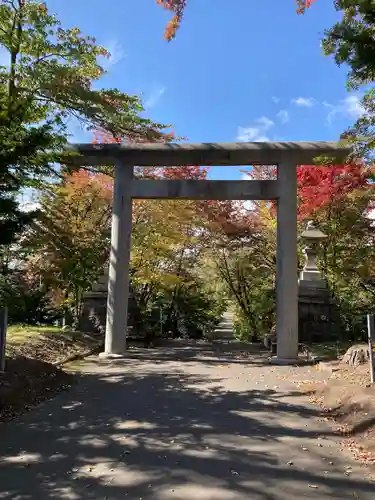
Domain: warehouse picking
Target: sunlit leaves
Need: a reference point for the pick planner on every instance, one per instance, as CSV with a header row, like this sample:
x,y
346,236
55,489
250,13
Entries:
x,y
71,236
352,40
320,186
52,70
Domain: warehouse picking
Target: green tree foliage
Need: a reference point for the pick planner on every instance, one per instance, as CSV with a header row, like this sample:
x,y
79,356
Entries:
x,y
347,261
27,299
242,253
69,247
351,41
168,244
25,158
340,199
71,237
51,74
50,78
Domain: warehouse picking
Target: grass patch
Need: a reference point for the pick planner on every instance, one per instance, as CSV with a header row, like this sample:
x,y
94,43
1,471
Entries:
x,y
18,334
33,355
329,351
49,344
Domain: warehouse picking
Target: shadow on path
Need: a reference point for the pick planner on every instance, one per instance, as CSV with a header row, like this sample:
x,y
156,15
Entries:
x,y
174,425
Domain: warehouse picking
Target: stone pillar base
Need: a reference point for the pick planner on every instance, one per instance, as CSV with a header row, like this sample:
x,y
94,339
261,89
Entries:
x,y
274,360
111,356
318,315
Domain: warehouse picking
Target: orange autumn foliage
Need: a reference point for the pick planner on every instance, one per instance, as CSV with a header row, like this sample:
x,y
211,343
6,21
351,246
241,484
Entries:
x,y
177,7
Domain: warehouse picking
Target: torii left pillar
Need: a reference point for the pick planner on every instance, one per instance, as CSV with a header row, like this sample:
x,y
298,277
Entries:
x,y
287,265
119,263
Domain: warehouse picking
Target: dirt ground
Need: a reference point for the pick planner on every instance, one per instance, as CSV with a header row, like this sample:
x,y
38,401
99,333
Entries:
x,y
32,374
179,423
52,346
348,399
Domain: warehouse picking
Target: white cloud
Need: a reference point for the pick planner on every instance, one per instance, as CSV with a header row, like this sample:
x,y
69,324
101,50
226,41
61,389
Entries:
x,y
116,52
350,107
306,102
283,115
251,134
276,100
256,132
154,97
265,122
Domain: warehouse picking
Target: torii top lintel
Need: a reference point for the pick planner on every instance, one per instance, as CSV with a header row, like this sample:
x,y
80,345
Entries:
x,y
202,154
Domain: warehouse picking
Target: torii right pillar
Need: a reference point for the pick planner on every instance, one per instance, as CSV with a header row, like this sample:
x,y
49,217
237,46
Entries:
x,y
287,266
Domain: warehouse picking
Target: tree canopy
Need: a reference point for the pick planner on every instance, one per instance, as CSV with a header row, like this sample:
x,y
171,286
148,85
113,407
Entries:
x,y
189,259
50,79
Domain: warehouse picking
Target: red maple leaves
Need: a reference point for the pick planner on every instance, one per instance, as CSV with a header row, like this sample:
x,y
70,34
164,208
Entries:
x,y
318,186
302,5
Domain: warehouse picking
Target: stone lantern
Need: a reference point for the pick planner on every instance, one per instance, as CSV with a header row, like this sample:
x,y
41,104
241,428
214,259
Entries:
x,y
312,236
318,318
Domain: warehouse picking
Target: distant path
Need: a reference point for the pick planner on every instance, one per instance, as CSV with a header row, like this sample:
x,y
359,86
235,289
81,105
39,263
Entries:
x,y
225,331
182,423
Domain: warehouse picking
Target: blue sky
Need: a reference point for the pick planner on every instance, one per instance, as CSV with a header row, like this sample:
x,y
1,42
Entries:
x,y
238,70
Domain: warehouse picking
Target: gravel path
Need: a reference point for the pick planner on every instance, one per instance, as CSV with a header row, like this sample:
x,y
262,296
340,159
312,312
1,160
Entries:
x,y
181,423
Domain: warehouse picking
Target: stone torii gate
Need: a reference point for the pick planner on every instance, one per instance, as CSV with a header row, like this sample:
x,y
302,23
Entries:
x,y
286,155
